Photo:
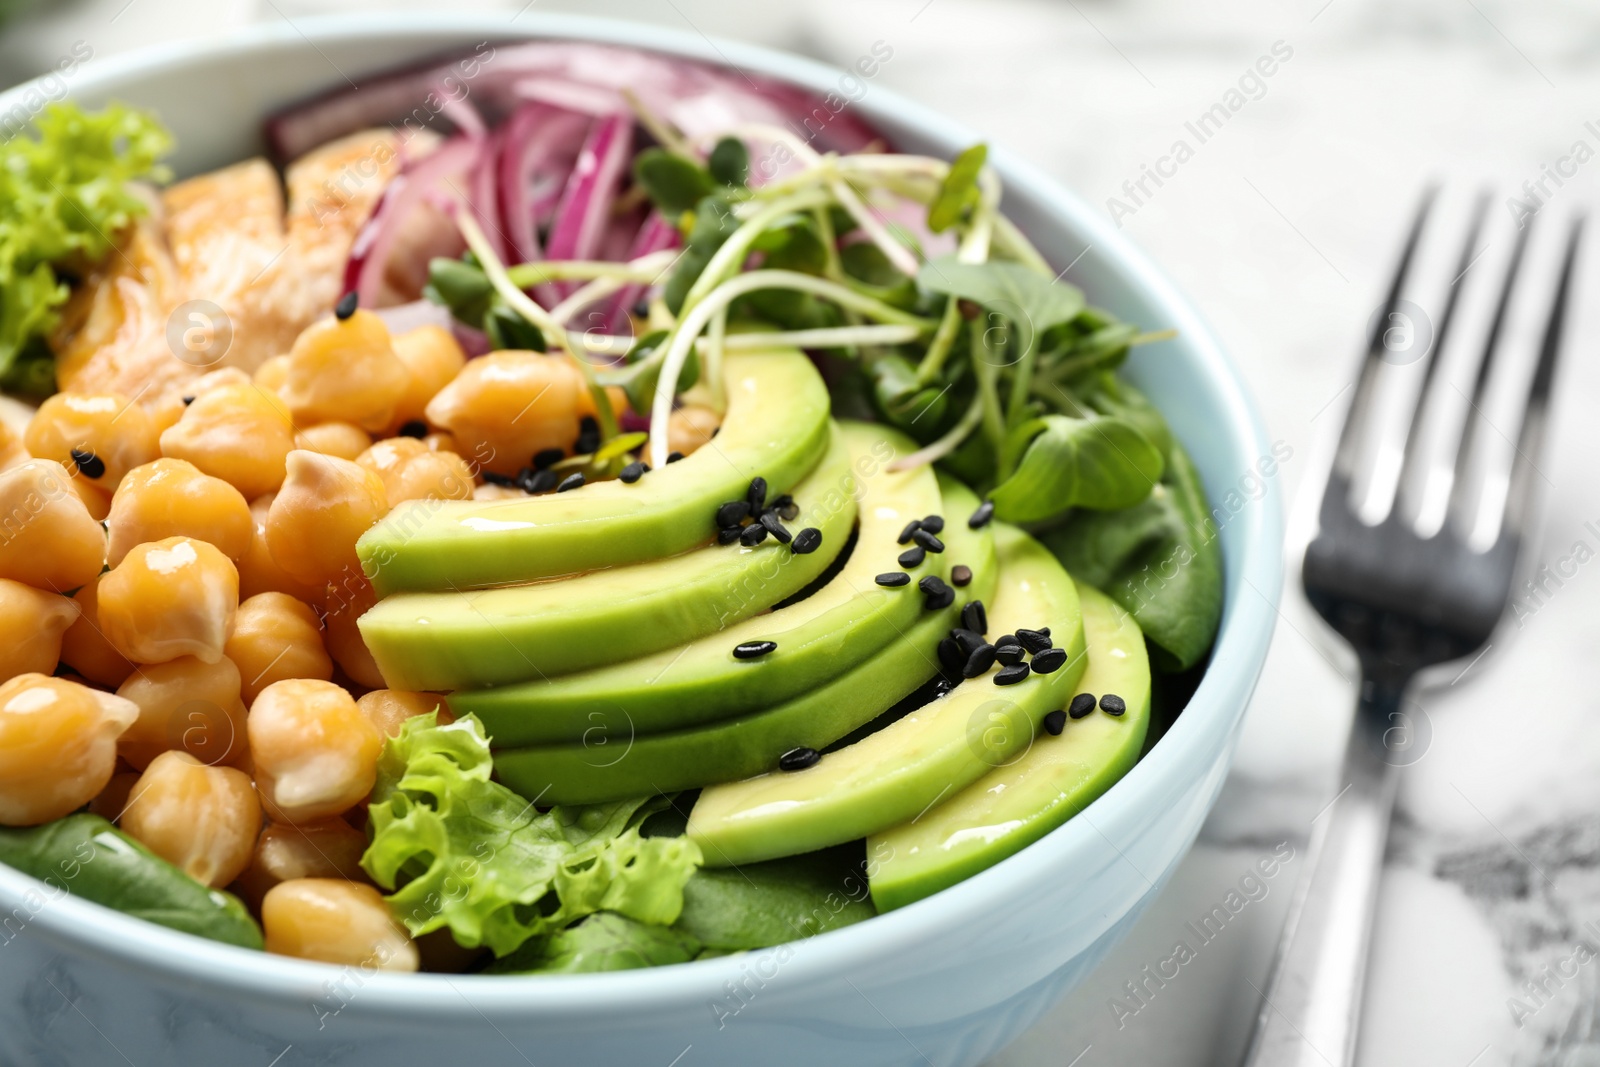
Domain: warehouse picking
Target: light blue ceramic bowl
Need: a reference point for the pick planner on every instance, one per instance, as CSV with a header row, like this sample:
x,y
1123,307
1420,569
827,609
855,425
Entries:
x,y
946,981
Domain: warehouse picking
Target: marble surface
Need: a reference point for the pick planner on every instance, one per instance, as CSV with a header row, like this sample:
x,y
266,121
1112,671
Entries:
x,y
1282,226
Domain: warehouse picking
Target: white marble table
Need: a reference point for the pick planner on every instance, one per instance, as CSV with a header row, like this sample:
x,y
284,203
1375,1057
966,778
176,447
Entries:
x,y
1281,227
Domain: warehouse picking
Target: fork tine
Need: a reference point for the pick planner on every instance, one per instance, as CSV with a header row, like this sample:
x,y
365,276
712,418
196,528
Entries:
x,y
1361,404
1463,501
1530,438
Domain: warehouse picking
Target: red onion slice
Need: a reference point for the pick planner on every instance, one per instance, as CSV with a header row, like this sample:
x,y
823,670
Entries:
x,y
585,209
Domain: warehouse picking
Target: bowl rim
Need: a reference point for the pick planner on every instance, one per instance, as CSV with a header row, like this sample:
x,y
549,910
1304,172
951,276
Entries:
x,y
1223,692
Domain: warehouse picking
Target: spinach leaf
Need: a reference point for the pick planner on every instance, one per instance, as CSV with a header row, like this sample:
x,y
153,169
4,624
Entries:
x,y
1110,395
959,190
1030,300
729,162
85,855
604,941
1103,463
1159,559
763,904
674,184
918,411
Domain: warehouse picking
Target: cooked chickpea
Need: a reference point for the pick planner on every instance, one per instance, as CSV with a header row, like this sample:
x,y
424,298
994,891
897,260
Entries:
x,y
275,637
388,709
58,746
110,435
324,506
239,433
440,442
346,604
171,498
335,922
12,450
315,754
434,358
691,426
273,374
411,472
202,820
345,369
505,406
169,598
32,624
47,537
343,439
259,572
84,647
96,501
188,705
328,849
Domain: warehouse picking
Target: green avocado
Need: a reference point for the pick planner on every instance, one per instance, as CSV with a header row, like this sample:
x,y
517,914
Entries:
x,y
895,774
838,626
776,427
482,637
1015,805
609,766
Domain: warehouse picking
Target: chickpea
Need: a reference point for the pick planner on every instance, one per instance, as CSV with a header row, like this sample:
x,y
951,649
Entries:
x,y
388,709
275,637
187,705
441,442
346,604
335,922
84,647
434,358
259,572
58,746
315,754
411,472
314,521
32,624
345,369
273,375
239,433
48,538
505,406
169,409
169,598
95,499
12,450
169,498
343,439
202,820
328,849
110,434
112,801
691,426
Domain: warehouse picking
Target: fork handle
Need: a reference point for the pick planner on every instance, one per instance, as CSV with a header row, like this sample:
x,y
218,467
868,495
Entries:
x,y
1312,1007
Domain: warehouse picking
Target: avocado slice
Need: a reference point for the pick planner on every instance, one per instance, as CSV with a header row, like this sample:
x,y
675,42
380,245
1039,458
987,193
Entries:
x,y
612,765
776,427
895,774
455,640
819,637
1015,805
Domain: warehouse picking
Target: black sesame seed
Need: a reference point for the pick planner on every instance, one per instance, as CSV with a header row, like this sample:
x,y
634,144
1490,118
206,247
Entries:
x,y
939,600
786,508
729,534
769,519
928,541
414,428
913,556
1005,640
753,535
1112,704
757,494
961,575
640,310
893,579
1081,705
1011,675
1055,722
346,306
909,531
732,513
491,478
951,656
542,482
1045,630
807,541
798,759
673,457
588,436
571,481
1050,660
754,649
548,457
88,464
188,400
1010,655
979,662
1033,640
981,517
973,617
969,641
933,524
931,583
524,479
633,472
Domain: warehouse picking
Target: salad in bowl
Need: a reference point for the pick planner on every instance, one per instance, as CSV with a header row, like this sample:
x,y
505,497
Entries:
x,y
569,509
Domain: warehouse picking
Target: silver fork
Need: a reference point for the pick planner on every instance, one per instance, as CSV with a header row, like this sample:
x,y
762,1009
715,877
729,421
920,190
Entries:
x,y
1405,601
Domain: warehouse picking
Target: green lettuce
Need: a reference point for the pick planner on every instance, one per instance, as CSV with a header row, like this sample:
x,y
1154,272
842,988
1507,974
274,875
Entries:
x,y
604,941
464,852
64,202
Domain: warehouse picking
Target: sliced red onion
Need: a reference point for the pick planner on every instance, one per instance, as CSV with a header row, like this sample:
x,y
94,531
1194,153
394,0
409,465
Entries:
x,y
539,145
403,317
585,210
656,234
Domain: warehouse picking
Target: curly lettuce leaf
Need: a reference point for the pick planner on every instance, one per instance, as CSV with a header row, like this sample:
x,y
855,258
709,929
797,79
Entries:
x,y
464,852
604,941
64,201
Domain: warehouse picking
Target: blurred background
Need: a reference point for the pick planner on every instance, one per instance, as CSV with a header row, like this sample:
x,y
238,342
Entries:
x,y
1281,226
